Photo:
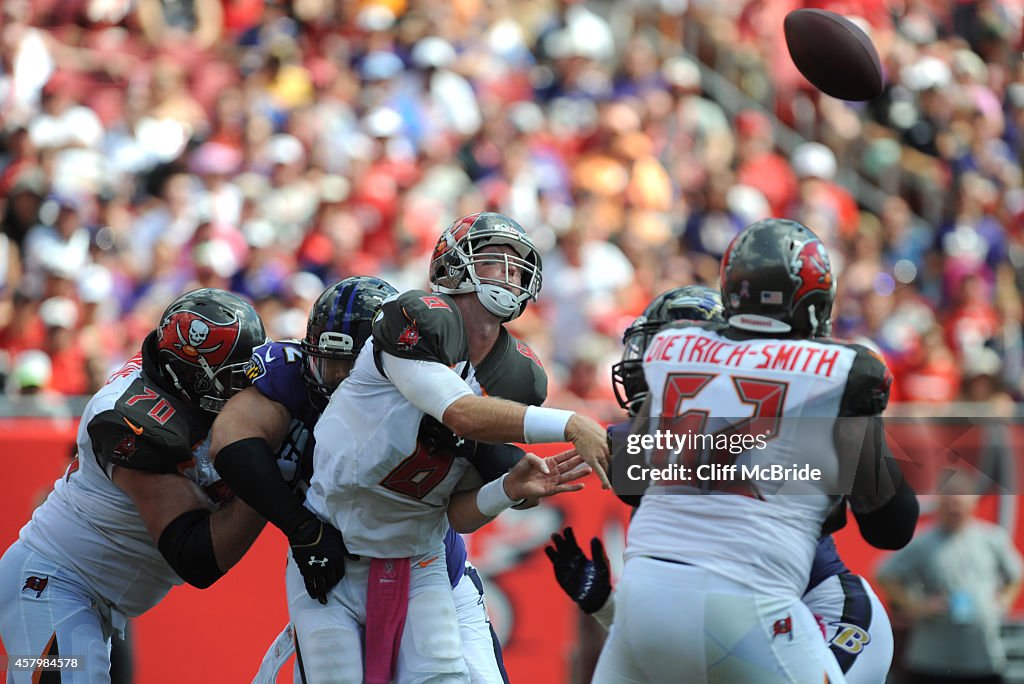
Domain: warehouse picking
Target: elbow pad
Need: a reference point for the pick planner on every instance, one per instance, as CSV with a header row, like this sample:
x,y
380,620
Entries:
x,y
892,526
187,546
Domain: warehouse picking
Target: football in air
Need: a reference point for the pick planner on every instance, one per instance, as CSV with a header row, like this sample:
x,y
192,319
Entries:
x,y
834,54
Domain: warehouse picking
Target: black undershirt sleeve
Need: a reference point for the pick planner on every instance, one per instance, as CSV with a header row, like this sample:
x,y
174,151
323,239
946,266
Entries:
x,y
883,503
250,469
187,546
494,460
891,526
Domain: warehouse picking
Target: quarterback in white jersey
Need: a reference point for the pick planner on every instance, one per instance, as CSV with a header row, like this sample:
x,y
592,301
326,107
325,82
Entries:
x,y
391,498
142,508
730,542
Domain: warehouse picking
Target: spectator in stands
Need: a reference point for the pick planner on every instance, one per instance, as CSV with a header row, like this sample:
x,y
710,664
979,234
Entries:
x,y
31,386
954,582
60,244
815,167
60,319
759,165
352,131
195,25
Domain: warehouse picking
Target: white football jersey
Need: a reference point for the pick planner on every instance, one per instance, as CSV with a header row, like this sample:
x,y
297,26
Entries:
x,y
371,480
90,525
760,532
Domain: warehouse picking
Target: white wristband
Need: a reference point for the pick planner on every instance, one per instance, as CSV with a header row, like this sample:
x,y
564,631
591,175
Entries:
x,y
542,425
492,499
605,615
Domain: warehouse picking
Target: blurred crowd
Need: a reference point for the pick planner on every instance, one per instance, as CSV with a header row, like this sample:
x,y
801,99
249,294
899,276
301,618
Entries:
x,y
271,147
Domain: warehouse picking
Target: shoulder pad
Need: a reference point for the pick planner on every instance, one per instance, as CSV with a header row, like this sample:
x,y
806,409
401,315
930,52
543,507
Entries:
x,y
421,325
513,371
146,429
868,385
275,369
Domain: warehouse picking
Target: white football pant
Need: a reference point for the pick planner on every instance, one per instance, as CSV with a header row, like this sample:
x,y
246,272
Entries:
x,y
48,610
330,637
674,620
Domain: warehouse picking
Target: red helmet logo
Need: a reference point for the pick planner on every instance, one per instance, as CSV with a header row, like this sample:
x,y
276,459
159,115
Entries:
x,y
188,335
812,268
454,234
727,257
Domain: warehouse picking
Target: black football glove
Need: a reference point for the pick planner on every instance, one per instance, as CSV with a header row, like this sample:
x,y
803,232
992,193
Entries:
x,y
587,582
319,551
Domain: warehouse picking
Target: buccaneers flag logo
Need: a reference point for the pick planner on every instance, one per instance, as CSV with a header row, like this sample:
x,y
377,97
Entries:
x,y
36,584
456,232
812,269
409,337
188,335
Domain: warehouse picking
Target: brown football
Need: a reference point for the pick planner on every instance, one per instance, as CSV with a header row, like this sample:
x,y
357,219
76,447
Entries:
x,y
834,54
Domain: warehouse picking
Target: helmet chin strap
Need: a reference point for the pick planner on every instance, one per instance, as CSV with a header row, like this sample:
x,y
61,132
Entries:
x,y
812,318
498,301
174,378
211,376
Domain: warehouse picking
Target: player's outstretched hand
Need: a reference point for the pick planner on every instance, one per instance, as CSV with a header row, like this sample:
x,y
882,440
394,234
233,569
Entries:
x,y
587,582
319,551
591,442
534,477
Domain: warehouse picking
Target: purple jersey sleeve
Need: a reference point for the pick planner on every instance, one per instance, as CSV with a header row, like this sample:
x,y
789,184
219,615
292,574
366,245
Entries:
x,y
826,562
455,554
275,369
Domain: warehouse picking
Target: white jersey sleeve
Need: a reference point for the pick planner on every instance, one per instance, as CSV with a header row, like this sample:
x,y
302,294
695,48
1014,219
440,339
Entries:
x,y
429,386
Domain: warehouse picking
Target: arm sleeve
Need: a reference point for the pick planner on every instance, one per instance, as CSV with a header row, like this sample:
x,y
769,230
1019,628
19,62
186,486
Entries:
x,y
250,468
629,491
494,460
882,501
431,387
876,473
891,526
187,546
